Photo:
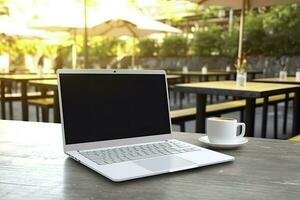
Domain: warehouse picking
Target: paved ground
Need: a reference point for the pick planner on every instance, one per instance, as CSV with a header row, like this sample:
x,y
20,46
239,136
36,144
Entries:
x,y
191,125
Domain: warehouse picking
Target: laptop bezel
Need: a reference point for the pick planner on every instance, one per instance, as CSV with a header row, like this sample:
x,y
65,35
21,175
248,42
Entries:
x,y
117,142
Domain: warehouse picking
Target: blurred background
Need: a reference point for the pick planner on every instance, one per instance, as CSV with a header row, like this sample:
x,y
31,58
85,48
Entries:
x,y
38,32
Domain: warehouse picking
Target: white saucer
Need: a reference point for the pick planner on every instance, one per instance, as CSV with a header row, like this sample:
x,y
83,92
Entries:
x,y
204,140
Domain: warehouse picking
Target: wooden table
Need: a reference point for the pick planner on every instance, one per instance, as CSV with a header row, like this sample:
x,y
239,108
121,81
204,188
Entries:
x,y
186,76
251,91
23,79
173,77
289,80
33,166
251,74
50,85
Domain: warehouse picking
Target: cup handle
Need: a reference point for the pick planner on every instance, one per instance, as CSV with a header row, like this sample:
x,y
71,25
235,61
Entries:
x,y
243,129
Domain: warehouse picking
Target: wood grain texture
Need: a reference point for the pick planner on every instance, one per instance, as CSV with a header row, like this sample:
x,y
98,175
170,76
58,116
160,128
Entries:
x,y
296,138
289,80
252,89
33,166
171,77
49,84
199,73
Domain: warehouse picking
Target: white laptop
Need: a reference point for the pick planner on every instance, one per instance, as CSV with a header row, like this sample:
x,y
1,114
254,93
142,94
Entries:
x,y
117,123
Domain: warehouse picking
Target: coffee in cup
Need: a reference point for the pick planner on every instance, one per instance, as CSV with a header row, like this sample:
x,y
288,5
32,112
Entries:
x,y
221,130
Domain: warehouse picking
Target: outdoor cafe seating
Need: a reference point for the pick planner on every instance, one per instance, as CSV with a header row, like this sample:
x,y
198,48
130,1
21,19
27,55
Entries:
x,y
121,99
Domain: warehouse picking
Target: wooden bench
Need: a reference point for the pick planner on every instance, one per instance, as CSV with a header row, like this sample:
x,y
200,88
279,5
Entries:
x,y
12,97
180,116
296,138
45,104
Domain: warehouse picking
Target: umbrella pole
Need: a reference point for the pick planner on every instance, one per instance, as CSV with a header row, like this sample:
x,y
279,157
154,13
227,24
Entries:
x,y
133,53
74,51
85,37
241,33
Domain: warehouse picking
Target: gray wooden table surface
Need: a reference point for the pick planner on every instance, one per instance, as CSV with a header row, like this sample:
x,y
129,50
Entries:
x,y
33,166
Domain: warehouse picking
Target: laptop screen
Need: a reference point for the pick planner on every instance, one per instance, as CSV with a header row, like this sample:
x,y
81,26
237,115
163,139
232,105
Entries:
x,y
98,107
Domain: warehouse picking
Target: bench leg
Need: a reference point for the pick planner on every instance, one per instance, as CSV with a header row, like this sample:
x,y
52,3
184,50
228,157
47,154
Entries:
x,y
182,127
45,114
175,97
181,96
275,121
11,113
37,113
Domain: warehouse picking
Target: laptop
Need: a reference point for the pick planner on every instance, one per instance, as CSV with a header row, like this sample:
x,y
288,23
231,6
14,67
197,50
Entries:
x,y
117,123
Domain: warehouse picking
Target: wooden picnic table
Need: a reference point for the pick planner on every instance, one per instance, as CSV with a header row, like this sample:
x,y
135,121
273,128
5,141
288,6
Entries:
x,y
250,92
33,165
251,74
50,85
288,80
186,76
23,79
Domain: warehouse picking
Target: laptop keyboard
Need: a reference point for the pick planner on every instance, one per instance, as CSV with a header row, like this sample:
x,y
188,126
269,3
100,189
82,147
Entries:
x,y
136,152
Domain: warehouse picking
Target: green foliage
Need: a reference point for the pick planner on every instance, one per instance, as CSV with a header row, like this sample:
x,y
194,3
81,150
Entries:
x,y
174,45
208,41
229,44
26,46
4,48
255,35
273,32
282,24
103,47
50,50
148,47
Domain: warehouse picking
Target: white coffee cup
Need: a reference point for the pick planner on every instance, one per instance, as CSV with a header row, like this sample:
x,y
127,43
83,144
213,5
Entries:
x,y
221,130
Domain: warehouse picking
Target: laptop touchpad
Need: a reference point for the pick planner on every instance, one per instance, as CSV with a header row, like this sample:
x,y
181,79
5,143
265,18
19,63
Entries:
x,y
165,163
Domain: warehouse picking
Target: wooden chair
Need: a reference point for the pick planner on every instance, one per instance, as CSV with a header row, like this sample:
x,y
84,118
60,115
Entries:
x,y
45,104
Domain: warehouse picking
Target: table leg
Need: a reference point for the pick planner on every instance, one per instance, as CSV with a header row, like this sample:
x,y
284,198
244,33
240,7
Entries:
x,y
264,118
56,107
249,116
285,113
3,113
24,101
201,113
296,114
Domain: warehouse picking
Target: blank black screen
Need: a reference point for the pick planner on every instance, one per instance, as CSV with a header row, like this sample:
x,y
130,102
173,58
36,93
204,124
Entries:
x,y
99,107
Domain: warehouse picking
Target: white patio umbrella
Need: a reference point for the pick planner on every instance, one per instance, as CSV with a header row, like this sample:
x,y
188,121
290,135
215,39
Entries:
x,y
243,5
12,28
72,27
119,21
130,22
